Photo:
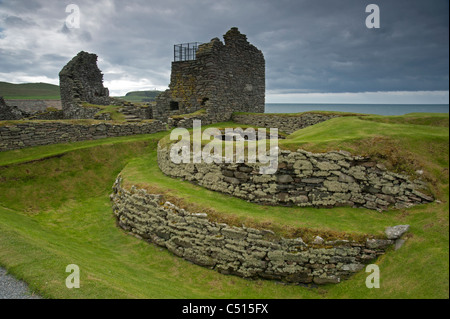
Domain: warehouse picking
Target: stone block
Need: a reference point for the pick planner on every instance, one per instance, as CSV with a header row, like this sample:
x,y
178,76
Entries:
x,y
396,231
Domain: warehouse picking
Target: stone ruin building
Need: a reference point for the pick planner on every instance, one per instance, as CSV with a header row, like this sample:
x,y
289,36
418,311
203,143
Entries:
x,y
219,78
82,81
215,77
8,112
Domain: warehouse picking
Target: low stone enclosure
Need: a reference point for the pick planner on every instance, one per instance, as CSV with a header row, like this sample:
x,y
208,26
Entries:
x,y
242,251
20,134
303,179
34,133
286,123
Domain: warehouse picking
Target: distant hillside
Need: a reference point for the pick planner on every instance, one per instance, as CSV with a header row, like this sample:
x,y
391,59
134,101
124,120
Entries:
x,y
46,91
140,96
29,91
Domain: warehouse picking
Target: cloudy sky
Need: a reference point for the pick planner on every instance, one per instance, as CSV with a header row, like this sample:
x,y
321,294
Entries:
x,y
316,50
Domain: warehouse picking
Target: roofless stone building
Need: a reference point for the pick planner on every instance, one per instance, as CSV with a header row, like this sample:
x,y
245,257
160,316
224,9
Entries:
x,y
220,78
82,81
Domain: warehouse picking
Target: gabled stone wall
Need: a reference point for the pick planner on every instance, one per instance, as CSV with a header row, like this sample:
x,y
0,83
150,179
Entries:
x,y
82,81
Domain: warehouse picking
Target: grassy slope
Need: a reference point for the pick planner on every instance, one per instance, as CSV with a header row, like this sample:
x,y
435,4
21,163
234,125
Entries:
x,y
56,211
140,96
29,91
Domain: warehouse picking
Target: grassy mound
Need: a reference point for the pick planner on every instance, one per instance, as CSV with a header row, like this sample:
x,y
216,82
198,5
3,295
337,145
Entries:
x,y
55,211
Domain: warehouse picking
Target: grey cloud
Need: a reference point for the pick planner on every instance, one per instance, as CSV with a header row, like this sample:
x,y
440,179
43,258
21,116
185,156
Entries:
x,y
76,34
309,45
21,6
17,22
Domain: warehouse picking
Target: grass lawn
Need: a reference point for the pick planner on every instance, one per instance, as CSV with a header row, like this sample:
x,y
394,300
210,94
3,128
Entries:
x,y
55,211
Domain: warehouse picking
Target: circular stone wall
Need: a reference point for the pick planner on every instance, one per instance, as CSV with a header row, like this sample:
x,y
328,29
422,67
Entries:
x,y
303,179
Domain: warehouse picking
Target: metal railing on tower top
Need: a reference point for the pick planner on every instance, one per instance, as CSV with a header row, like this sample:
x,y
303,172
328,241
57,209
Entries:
x,y
185,51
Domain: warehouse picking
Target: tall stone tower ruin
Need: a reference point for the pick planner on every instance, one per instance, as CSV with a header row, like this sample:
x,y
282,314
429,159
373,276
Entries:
x,y
221,78
82,81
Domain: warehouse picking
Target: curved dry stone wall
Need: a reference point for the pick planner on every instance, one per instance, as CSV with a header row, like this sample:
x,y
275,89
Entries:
x,y
242,251
304,179
27,134
285,123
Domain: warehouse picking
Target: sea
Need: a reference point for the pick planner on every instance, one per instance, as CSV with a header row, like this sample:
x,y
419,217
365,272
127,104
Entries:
x,y
379,109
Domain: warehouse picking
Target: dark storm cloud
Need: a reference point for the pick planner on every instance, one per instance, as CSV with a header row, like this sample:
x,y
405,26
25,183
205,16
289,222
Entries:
x,y
13,21
334,51
309,45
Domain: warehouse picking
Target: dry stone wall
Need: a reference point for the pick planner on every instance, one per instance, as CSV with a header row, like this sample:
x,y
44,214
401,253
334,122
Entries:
x,y
287,124
304,179
27,134
242,251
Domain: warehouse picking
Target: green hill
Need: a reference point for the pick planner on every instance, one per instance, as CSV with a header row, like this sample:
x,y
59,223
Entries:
x,y
140,96
29,91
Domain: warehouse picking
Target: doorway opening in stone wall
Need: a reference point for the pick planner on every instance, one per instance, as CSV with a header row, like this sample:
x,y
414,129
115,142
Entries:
x,y
174,106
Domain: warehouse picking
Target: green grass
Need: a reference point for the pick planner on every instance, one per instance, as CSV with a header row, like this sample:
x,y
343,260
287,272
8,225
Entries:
x,y
300,113
193,114
55,210
29,91
403,147
41,152
140,96
341,130
112,110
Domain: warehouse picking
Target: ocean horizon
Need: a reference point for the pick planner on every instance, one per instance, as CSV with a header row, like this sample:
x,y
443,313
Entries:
x,y
378,109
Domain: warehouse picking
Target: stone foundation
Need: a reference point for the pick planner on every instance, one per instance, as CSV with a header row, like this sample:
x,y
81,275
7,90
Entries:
x,y
27,134
285,123
242,251
304,179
